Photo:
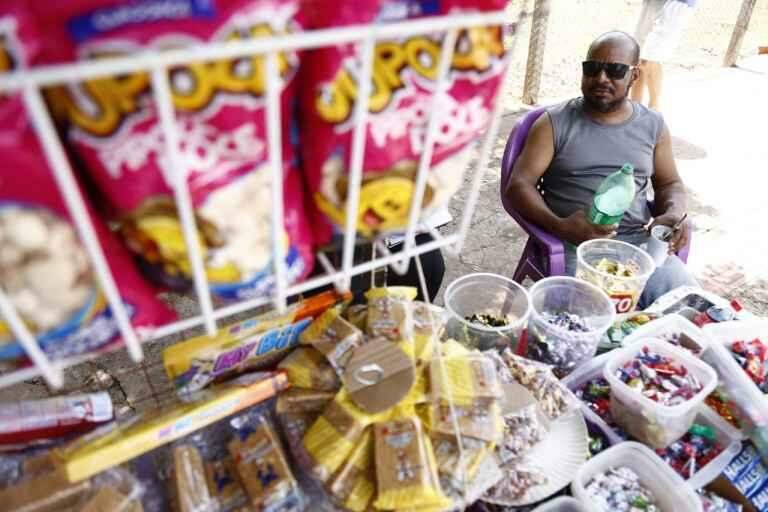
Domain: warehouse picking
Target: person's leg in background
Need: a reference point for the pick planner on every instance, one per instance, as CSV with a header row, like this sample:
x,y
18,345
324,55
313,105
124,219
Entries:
x,y
432,263
654,74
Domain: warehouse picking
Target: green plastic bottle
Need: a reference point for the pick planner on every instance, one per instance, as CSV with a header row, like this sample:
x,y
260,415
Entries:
x,y
614,196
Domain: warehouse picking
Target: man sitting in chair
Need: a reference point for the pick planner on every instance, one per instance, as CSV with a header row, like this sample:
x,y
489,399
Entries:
x,y
581,141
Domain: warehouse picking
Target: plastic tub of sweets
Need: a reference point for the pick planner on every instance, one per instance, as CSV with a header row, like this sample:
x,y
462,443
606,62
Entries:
x,y
690,336
556,345
670,492
750,404
651,422
624,291
493,297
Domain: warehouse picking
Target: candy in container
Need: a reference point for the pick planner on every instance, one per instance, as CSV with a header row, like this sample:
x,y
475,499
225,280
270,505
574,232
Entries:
x,y
113,125
404,77
44,268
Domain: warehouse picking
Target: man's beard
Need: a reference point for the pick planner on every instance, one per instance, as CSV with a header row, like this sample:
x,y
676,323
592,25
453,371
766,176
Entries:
x,y
605,107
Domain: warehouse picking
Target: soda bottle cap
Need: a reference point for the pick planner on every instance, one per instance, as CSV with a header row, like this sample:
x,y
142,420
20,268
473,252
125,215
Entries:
x,y
627,169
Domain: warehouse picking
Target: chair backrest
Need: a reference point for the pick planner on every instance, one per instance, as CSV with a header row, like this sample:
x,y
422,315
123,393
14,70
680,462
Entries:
x,y
515,144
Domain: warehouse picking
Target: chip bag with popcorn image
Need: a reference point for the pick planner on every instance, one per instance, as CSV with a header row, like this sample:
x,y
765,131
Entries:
x,y
44,268
112,124
404,78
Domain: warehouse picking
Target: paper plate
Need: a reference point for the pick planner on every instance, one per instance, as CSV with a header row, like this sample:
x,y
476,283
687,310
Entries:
x,y
558,456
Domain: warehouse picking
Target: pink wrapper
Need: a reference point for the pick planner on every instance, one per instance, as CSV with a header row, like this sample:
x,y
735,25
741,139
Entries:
x,y
43,267
114,127
404,78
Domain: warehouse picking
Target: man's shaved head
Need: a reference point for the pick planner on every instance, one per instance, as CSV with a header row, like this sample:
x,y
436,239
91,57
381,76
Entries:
x,y
617,40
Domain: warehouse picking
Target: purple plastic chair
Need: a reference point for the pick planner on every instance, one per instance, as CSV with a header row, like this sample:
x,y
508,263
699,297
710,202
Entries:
x,y
544,253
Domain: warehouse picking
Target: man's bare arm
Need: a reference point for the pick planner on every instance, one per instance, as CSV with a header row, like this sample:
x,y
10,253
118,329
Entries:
x,y
670,198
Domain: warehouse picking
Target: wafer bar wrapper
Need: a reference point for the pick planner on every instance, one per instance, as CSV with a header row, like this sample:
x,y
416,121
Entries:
x,y
223,483
298,400
405,469
480,420
308,368
334,337
354,485
465,378
390,312
190,487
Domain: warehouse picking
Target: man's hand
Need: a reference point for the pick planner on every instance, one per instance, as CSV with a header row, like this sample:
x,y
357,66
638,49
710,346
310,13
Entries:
x,y
576,228
680,237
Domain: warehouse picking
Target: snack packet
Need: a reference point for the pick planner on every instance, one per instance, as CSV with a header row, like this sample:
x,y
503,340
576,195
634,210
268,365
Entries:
x,y
354,485
263,469
455,469
406,473
296,400
334,337
44,269
191,492
404,78
223,483
465,378
480,419
113,125
390,313
307,368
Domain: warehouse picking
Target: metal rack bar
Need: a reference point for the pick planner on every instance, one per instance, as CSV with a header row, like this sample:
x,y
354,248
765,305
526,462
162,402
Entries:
x,y
164,104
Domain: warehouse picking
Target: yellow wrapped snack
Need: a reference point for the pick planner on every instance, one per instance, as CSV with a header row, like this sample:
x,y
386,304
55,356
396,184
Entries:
x,y
390,312
464,378
331,438
308,368
357,315
481,419
451,466
419,392
405,468
190,488
355,483
334,337
452,348
428,327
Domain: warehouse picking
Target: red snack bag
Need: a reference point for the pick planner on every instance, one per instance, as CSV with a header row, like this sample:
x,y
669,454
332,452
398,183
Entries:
x,y
404,77
44,268
114,127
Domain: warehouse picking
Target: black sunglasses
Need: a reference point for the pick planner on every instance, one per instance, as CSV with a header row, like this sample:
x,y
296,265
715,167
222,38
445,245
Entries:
x,y
614,70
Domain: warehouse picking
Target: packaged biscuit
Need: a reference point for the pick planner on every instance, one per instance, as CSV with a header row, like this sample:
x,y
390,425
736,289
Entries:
x,y
331,438
296,424
190,489
263,469
404,79
334,337
406,474
354,485
464,378
112,124
224,485
428,328
303,400
307,368
390,312
44,268
481,419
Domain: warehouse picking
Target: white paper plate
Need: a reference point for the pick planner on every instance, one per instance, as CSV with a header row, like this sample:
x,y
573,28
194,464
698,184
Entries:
x,y
558,456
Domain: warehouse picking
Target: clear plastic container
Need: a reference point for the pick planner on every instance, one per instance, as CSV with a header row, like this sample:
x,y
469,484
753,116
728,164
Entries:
x,y
623,291
647,421
563,349
671,493
561,504
486,294
747,402
694,340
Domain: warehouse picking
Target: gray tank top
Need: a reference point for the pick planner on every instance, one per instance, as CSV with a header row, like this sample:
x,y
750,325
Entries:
x,y
587,151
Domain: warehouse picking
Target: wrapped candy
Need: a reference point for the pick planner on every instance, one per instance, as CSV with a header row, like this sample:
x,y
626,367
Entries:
x,y
620,489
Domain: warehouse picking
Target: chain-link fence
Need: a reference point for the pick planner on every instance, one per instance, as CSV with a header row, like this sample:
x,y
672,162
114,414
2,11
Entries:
x,y
573,24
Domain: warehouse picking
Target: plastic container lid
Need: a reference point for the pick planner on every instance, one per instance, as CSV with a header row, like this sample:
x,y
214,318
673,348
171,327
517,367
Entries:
x,y
751,403
671,493
648,421
485,293
670,324
624,291
561,504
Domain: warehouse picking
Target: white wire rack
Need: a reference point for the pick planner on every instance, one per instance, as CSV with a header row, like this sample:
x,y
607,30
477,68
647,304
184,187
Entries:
x,y
30,83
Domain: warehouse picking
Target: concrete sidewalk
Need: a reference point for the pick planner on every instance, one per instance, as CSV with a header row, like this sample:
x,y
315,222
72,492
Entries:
x,y
718,118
